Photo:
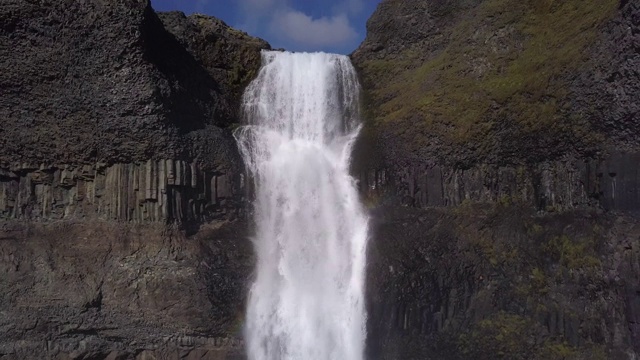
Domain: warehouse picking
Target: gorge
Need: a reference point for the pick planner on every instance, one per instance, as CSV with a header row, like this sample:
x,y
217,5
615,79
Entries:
x,y
497,160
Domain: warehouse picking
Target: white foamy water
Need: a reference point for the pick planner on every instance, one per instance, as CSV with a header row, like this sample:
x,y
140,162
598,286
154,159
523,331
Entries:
x,y
307,301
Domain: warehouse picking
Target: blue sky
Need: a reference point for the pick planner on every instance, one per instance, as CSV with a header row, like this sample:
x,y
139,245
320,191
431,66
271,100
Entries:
x,y
297,25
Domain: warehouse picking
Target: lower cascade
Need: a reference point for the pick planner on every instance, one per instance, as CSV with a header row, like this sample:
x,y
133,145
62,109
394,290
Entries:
x,y
307,301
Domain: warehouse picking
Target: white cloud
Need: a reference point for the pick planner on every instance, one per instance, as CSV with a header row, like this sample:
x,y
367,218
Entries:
x,y
296,29
254,13
304,30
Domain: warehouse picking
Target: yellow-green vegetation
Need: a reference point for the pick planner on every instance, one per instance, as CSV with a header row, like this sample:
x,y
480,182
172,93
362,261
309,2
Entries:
x,y
501,336
241,74
499,254
562,351
573,254
509,336
506,60
537,284
534,229
539,275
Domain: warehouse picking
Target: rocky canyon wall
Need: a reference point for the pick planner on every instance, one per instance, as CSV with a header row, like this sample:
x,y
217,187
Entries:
x,y
122,232
609,183
500,161
120,290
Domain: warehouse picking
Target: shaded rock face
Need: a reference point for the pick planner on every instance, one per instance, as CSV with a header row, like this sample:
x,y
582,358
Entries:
x,y
499,281
121,203
107,82
607,94
500,163
110,106
609,183
108,290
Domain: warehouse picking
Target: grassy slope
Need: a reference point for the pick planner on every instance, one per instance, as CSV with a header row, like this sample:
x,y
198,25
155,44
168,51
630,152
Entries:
x,y
507,64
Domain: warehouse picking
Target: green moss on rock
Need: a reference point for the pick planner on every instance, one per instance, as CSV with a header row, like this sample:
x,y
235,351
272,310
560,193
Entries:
x,y
505,66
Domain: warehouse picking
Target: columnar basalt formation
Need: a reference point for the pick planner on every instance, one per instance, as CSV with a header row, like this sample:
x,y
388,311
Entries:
x,y
155,191
611,183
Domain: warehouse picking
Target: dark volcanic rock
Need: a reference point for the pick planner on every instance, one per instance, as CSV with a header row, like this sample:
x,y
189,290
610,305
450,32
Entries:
x,y
121,211
110,110
399,25
609,92
462,82
105,81
497,281
229,55
106,290
500,157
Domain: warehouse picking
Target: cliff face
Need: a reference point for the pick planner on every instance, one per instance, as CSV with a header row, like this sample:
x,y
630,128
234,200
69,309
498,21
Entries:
x,y
105,109
115,290
500,81
114,146
117,84
500,158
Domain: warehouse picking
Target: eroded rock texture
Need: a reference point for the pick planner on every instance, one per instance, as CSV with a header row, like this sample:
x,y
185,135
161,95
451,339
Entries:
x,y
610,183
106,81
115,290
121,208
488,281
462,82
500,159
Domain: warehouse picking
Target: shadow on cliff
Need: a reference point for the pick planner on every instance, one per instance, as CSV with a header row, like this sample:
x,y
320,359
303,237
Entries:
x,y
188,90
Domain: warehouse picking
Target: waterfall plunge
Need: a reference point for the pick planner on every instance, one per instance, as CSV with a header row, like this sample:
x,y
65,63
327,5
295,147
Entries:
x,y
307,301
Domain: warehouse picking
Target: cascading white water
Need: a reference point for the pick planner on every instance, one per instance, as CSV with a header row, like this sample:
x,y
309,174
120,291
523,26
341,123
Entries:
x,y
307,301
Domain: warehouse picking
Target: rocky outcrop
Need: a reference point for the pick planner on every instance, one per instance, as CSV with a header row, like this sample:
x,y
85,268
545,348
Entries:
x,y
499,158
108,82
606,93
500,281
112,290
122,234
450,82
229,55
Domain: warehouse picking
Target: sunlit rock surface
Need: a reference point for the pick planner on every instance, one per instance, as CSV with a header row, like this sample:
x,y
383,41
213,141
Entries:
x,y
500,159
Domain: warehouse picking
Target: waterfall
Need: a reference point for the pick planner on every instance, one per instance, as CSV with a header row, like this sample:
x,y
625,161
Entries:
x,y
307,301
